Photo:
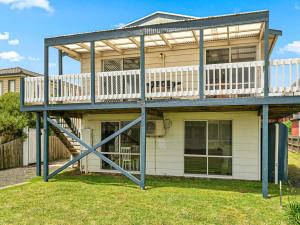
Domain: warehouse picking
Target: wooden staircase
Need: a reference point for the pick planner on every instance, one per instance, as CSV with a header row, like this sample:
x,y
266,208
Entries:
x,y
72,125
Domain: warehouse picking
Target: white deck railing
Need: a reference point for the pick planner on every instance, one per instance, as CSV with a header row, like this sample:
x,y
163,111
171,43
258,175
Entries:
x,y
234,78
221,80
172,82
117,85
284,77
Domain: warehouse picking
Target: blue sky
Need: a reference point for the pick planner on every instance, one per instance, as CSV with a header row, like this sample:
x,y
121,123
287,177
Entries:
x,y
24,23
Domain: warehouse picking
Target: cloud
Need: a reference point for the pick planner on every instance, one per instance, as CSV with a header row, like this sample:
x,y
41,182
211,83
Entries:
x,y
11,56
297,6
28,4
34,59
4,35
293,47
14,42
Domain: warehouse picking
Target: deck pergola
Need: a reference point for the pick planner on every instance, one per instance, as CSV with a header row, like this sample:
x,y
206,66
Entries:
x,y
140,38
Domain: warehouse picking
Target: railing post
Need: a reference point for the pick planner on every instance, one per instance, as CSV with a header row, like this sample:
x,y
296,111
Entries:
x,y
142,67
92,47
46,74
143,114
266,58
201,66
38,144
60,70
265,149
46,146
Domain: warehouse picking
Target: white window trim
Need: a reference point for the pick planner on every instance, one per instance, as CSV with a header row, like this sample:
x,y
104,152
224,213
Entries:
x,y
230,47
209,156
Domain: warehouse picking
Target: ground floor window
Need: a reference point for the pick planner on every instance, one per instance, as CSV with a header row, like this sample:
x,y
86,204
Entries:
x,y
123,150
208,147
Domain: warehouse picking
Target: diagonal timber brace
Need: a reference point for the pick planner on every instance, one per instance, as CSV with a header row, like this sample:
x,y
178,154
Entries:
x,y
93,149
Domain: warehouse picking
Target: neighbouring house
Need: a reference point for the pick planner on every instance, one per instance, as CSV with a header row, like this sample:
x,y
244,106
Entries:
x,y
295,125
170,95
10,79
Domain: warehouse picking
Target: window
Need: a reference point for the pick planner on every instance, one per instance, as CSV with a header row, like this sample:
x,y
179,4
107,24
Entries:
x,y
232,54
214,56
123,150
12,86
243,54
208,147
120,64
1,88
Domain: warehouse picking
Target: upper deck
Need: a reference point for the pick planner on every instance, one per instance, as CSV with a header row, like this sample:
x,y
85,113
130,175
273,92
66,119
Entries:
x,y
177,62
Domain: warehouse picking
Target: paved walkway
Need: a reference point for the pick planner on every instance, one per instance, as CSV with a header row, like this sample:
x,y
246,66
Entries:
x,y
22,174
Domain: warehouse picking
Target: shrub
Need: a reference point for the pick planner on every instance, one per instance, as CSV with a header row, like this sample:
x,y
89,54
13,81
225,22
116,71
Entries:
x,y
12,120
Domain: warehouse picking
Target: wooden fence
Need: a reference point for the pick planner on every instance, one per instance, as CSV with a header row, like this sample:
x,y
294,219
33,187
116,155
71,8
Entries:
x,y
57,150
294,143
11,154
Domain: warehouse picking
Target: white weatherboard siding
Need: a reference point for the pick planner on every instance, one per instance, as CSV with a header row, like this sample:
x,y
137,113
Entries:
x,y
165,155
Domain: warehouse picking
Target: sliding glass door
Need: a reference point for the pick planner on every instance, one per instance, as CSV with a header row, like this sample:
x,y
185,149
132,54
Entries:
x,y
123,150
208,147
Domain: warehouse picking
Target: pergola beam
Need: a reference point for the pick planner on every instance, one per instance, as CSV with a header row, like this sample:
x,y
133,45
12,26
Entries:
x,y
195,37
132,39
113,46
70,52
82,45
166,41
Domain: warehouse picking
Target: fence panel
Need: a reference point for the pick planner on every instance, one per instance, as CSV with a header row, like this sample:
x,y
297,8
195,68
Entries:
x,y
11,154
294,143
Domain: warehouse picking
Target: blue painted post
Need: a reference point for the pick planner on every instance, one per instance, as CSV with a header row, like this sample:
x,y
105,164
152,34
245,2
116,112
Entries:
x,y
46,146
38,144
201,65
143,146
265,149
46,74
143,115
22,91
266,59
142,67
92,47
60,70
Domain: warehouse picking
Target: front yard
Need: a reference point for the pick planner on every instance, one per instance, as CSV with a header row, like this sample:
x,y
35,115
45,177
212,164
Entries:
x,y
106,199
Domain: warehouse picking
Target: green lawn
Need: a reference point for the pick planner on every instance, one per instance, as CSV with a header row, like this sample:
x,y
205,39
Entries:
x,y
105,199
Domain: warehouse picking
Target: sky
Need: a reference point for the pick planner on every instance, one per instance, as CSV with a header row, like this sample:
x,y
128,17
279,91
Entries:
x,y
25,23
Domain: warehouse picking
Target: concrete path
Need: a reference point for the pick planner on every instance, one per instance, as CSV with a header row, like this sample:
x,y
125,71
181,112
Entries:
x,y
22,174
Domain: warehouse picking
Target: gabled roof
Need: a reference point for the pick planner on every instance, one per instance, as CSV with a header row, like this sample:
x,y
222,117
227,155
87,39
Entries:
x,y
158,18
18,71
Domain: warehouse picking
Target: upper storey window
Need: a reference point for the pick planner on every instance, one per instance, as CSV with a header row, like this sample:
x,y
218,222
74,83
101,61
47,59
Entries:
x,y
232,54
120,64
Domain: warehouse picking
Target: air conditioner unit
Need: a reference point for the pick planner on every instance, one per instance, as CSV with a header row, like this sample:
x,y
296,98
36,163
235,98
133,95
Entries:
x,y
155,128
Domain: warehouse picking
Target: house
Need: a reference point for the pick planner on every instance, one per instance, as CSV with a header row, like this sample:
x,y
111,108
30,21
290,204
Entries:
x,y
295,125
169,95
10,79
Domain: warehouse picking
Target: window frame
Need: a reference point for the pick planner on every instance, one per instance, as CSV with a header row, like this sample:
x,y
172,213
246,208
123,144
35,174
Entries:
x,y
256,45
119,146
206,155
122,62
9,89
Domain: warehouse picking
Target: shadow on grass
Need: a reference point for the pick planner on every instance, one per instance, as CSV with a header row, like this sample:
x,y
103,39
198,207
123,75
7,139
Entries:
x,y
155,182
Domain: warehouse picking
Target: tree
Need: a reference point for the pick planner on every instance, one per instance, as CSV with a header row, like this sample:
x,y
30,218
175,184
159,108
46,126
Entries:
x,y
12,120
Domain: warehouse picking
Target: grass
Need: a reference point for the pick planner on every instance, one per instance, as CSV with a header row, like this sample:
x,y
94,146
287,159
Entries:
x,y
107,199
